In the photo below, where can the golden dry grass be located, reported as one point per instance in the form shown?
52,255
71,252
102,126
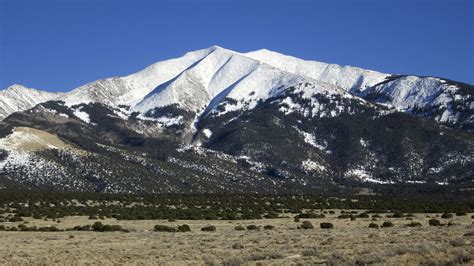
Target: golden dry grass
350,242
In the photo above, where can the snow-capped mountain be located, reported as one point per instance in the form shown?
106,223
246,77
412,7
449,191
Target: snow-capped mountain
200,79
220,120
18,98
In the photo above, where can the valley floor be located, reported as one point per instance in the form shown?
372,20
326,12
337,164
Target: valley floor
349,242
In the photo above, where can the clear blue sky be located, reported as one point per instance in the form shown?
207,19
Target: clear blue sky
58,45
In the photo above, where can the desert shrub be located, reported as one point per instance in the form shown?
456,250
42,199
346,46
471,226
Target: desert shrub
363,215
374,225
208,228
376,215
2,227
296,219
326,225
239,228
387,224
15,218
49,229
269,227
98,227
414,224
164,228
434,222
447,215
353,218
237,246
184,228
345,216
331,212
306,225
461,213
92,217
451,223
82,228
252,227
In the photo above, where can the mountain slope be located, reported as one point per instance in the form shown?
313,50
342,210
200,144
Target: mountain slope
347,77
446,102
200,79
216,120
18,98
131,89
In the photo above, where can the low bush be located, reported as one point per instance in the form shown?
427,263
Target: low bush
434,222
82,228
461,213
15,218
239,228
208,228
374,225
326,225
49,229
269,227
387,224
447,215
306,225
252,227
184,228
164,228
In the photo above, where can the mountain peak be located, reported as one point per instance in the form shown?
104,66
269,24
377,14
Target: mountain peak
16,87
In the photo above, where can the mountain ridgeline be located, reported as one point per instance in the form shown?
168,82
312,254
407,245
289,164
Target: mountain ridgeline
216,120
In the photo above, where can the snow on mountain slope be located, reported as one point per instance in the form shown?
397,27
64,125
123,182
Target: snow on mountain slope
436,97
200,80
346,77
225,74
130,89
18,98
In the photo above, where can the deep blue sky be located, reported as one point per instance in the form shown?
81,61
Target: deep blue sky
59,45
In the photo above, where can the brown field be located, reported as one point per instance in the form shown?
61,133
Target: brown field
348,243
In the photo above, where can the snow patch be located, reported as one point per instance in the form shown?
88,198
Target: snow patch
207,133
82,115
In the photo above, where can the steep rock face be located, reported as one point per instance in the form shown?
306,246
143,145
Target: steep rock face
18,98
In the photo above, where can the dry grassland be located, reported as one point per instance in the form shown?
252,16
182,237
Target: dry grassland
348,243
